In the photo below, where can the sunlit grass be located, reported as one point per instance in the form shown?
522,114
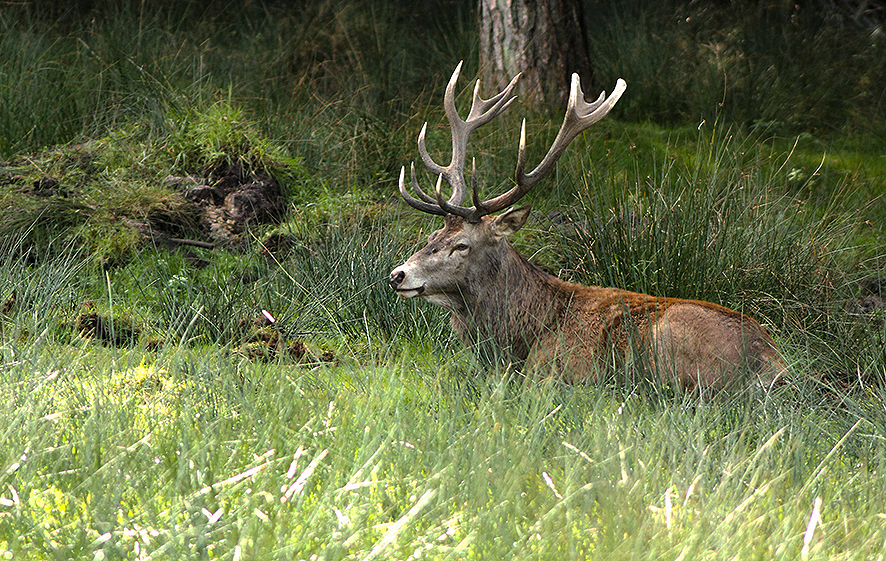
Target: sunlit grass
127,455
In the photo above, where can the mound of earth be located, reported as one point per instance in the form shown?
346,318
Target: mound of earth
229,198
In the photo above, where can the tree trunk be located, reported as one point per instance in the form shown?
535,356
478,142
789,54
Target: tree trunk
546,40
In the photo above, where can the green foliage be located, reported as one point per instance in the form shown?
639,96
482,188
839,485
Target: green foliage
714,222
105,194
801,66
221,135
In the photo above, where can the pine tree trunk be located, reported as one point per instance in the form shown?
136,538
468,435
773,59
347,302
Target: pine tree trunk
546,40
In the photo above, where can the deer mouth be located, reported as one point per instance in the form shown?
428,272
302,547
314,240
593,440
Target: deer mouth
407,293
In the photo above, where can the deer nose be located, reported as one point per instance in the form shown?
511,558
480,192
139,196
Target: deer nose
396,279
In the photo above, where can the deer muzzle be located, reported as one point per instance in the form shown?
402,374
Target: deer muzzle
400,282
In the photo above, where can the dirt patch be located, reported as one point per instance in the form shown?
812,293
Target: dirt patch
265,343
116,333
273,349
873,295
48,187
230,198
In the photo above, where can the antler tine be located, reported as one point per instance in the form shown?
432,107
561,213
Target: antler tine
440,202
484,110
427,204
579,116
478,206
418,190
432,166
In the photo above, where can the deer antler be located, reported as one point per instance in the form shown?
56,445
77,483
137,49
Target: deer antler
482,111
579,116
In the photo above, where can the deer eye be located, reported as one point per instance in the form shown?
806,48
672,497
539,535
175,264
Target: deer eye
461,247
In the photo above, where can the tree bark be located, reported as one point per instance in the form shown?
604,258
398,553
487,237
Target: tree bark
546,40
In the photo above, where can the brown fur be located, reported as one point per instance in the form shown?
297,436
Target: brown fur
568,330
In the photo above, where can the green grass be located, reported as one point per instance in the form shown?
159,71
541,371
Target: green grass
785,65
745,168
194,454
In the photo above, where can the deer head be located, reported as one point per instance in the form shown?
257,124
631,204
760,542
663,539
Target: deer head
472,244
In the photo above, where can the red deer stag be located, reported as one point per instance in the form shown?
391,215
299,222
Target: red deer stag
555,328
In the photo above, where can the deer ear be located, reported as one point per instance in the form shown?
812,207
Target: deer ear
506,224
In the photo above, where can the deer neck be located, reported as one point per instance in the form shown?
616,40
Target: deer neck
511,305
